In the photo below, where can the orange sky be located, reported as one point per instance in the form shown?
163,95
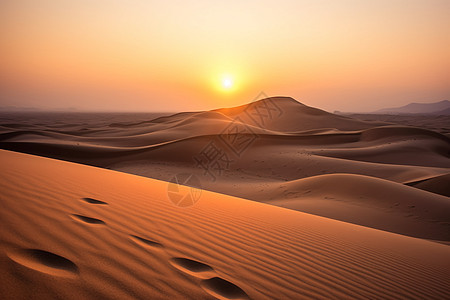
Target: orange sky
172,55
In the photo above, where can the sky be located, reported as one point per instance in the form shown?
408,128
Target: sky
144,55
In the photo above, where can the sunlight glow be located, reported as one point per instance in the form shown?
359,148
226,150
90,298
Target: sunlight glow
227,83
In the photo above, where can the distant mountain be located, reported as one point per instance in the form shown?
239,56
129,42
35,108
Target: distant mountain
441,107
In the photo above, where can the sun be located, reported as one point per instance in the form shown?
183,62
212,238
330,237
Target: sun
227,82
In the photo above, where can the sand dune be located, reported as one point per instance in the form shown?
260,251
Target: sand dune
285,114
368,201
438,123
437,184
268,148
72,231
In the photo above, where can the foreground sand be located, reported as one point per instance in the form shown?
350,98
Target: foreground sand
71,231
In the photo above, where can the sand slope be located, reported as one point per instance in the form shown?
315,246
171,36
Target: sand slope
368,201
437,184
73,231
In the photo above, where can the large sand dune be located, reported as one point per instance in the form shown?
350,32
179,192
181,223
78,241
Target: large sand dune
70,231
368,201
272,151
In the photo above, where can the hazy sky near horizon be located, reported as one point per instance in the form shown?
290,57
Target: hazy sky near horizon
148,55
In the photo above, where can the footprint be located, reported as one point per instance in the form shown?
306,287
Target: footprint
45,262
87,219
223,289
193,267
94,201
215,286
145,242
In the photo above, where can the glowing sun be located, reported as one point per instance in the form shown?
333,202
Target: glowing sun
227,83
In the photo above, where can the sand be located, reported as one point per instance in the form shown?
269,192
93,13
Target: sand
265,148
270,200
438,123
72,231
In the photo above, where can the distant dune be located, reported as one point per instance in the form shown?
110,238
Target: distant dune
438,123
276,151
439,108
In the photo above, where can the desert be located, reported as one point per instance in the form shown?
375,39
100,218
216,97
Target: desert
310,205
246,150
